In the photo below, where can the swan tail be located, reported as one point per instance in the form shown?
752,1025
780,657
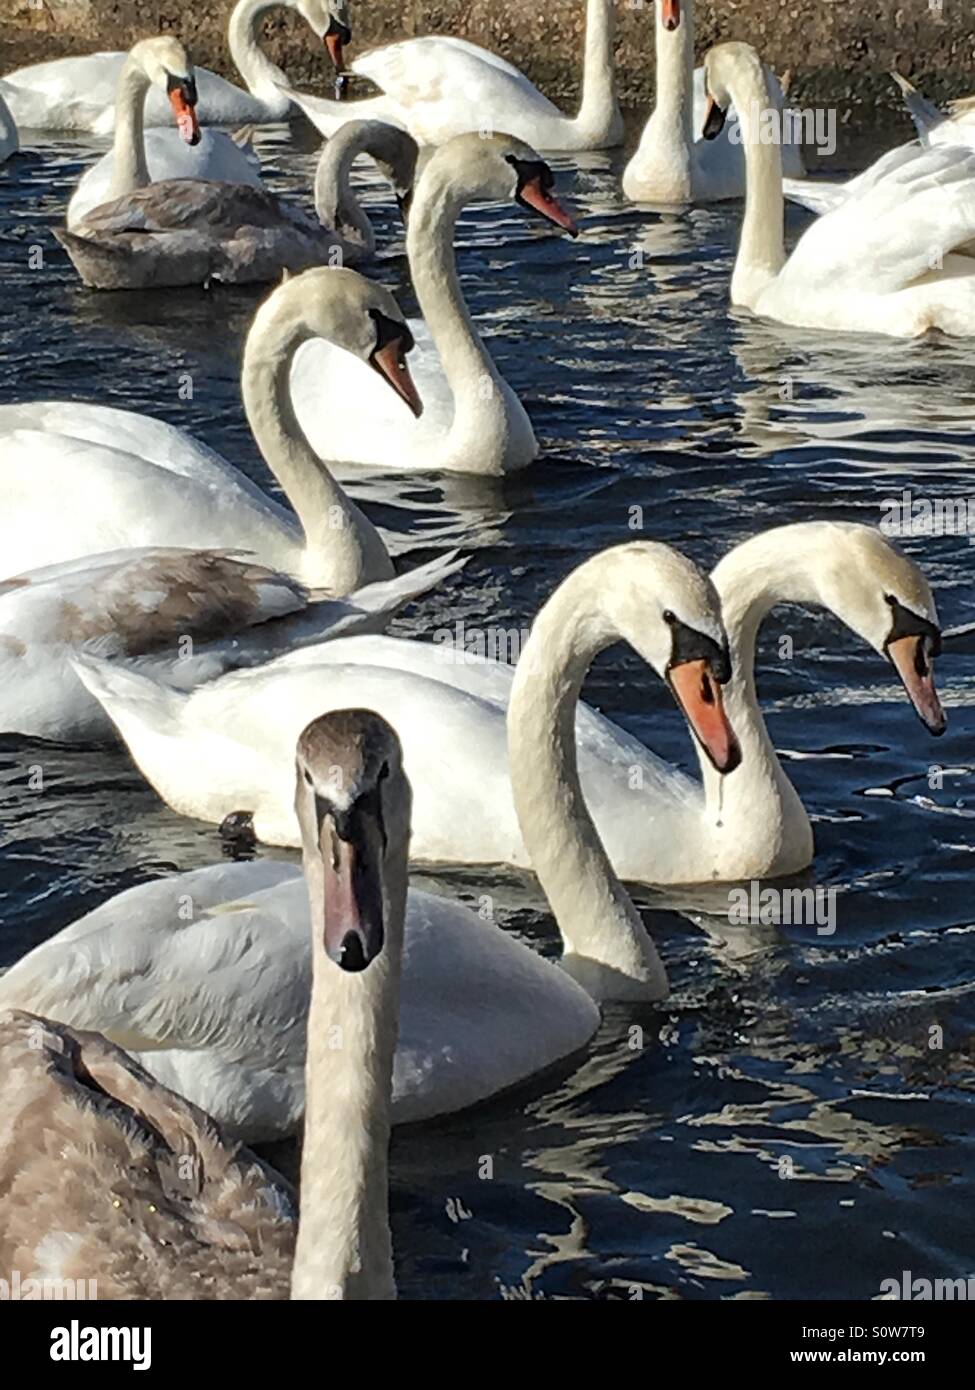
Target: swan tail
130,697
923,113
815,195
381,600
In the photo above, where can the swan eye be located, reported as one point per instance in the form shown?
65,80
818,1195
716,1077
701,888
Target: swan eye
669,617
308,779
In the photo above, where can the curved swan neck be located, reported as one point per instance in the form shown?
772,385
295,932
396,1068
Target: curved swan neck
761,247
751,580
253,64
480,396
345,550
674,104
129,150
607,947
599,110
336,205
344,1245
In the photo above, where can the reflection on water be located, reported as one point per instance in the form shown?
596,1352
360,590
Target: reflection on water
796,1119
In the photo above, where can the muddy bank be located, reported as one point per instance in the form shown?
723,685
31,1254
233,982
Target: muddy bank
833,50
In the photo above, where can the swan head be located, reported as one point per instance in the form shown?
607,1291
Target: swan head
721,64
352,799
883,596
659,601
350,311
330,21
167,64
670,14
498,168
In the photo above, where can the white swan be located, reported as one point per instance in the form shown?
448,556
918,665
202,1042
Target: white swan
473,422
9,139
79,93
159,1203
658,826
191,231
438,87
181,741
672,164
933,126
84,479
882,262
139,157
206,974
184,615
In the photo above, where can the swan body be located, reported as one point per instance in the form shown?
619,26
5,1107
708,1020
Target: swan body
658,825
85,479
673,163
884,261
439,87
108,1164
79,93
472,422
206,975
192,231
479,1011
184,616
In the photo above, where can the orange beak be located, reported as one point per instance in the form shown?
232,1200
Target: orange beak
185,114
670,14
699,696
533,195
917,676
333,42
390,361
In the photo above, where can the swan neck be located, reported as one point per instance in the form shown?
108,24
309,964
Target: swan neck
607,947
761,249
751,580
480,405
130,169
674,104
336,205
344,548
253,64
344,1245
598,107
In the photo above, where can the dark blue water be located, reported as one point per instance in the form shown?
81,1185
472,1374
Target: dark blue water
786,1129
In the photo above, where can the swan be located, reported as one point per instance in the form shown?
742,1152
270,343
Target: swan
9,140
159,1204
882,262
205,975
84,479
473,422
185,615
672,164
933,128
438,87
191,231
181,741
658,825
79,93
139,157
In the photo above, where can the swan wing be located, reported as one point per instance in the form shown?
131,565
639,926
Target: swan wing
217,157
895,228
212,956
467,83
66,93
